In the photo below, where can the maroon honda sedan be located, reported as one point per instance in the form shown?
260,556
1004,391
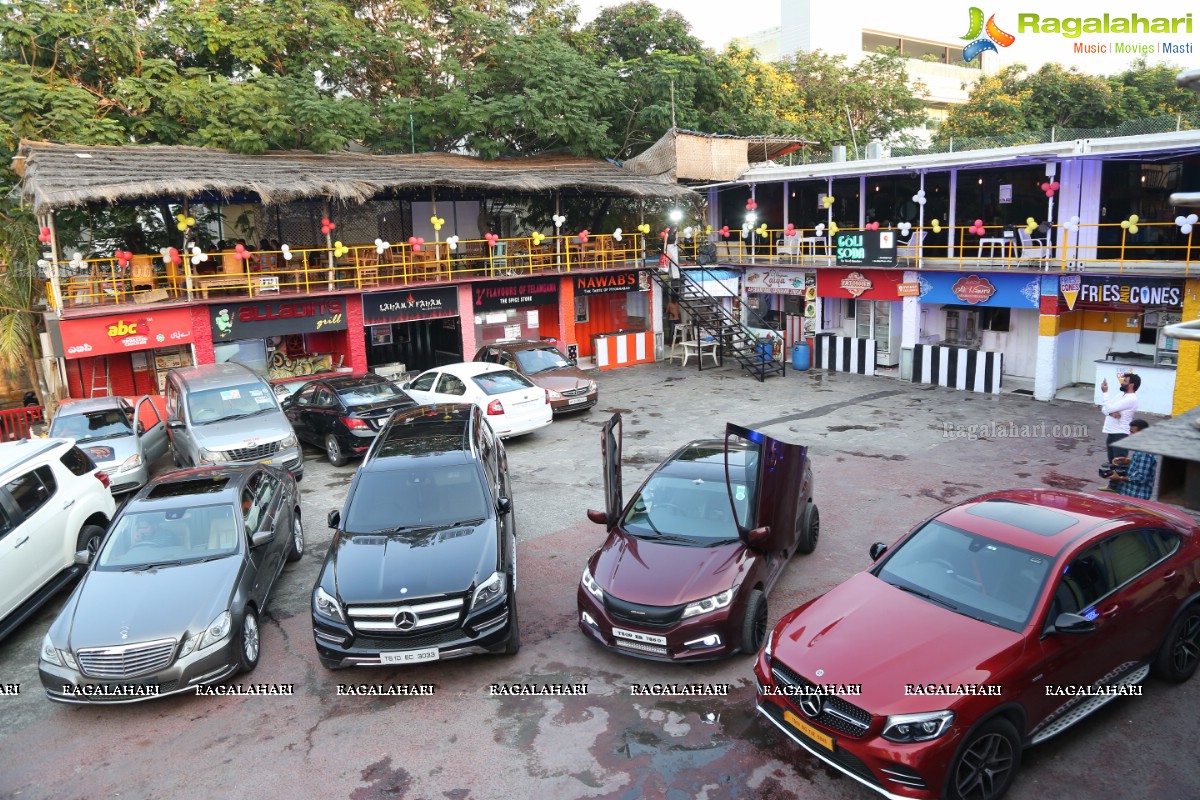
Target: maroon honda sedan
993,626
687,566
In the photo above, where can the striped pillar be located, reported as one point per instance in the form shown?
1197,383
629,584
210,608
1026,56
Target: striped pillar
957,368
1045,376
624,349
844,354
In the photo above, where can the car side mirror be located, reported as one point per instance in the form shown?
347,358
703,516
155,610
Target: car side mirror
758,537
334,519
877,550
174,424
262,537
1073,624
141,428
83,558
504,504
598,517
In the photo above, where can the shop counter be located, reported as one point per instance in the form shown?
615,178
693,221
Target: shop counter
623,348
1156,395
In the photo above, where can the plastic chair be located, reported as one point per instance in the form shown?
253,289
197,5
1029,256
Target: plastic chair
909,249
1034,249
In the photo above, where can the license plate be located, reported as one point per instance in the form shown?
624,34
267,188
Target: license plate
634,636
576,400
265,461
409,656
822,739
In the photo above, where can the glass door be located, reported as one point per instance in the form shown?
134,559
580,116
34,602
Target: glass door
862,317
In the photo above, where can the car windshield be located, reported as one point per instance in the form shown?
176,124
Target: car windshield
367,393
145,539
420,497
230,402
543,359
501,381
970,574
693,510
91,425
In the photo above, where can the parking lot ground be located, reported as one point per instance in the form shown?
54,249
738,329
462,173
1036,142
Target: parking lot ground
885,455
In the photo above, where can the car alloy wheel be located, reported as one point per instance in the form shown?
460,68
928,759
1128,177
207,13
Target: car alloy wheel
1180,653
988,763
89,539
333,451
754,624
248,652
810,529
297,548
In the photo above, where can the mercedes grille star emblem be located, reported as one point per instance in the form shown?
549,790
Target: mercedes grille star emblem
811,704
125,632
406,619
820,672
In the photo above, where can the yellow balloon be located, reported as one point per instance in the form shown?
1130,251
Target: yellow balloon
833,229
936,226
829,200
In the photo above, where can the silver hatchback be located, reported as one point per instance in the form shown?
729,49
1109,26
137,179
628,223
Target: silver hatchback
123,439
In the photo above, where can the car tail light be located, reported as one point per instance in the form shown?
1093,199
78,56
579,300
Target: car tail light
100,476
495,407
547,397
354,423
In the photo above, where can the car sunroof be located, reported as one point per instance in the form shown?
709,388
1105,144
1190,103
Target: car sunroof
183,488
1035,519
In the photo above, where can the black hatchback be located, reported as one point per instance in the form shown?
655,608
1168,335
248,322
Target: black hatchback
423,564
342,413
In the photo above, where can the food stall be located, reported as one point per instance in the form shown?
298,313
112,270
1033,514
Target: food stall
282,338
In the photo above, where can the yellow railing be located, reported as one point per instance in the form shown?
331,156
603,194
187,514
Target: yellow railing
317,270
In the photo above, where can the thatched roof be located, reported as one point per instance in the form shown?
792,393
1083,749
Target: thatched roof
690,156
59,175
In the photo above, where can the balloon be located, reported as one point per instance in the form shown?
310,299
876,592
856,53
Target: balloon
904,228
437,222
44,235
919,198
833,229
537,237
828,201
820,229
871,226
978,228
1050,188
1030,225
746,230
415,242
762,229
287,252
617,235
790,230
492,239
644,228
339,249
1185,223
173,254
751,204
326,226
687,232
583,236
1130,224
1072,224
724,231
381,245
936,226
452,242
665,233
559,219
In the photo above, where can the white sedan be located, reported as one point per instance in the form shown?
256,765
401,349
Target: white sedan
509,401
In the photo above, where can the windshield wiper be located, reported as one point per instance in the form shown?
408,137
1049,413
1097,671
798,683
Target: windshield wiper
927,596
243,416
143,567
404,528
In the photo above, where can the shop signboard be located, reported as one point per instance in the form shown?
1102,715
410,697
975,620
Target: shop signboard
258,320
989,290
381,308
908,289
625,280
768,280
865,248
503,295
1129,292
868,284
84,337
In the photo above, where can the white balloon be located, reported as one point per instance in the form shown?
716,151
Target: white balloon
820,229
381,245
452,242
559,219
904,227
617,235
1185,229
687,232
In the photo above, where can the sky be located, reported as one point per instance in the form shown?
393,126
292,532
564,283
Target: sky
715,23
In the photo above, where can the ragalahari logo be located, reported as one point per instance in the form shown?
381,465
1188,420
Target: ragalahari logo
991,35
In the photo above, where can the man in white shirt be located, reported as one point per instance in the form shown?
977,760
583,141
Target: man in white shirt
1119,411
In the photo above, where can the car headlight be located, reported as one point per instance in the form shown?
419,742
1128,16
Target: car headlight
49,652
708,604
217,630
212,456
554,395
769,647
489,590
590,584
189,644
288,441
131,463
905,728
327,606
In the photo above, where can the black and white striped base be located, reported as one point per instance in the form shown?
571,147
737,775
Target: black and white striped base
957,368
844,354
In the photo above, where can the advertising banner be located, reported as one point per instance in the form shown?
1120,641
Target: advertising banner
985,289
865,249
608,282
769,280
381,308
502,295
120,333
258,320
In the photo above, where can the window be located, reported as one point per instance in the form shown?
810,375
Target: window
1084,581
849,307
1166,542
581,308
324,398
502,381
305,396
424,383
5,523
77,462
31,490
452,384
995,319
1130,554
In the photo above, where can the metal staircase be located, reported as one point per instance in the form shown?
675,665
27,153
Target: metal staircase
710,319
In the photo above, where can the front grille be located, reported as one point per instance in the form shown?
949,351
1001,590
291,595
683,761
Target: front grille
645,648
642,616
836,713
839,755
254,453
439,639
126,661
410,619
575,392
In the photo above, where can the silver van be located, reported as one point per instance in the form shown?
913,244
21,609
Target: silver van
227,414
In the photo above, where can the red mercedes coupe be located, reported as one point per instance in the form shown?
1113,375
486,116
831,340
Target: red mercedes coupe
687,566
990,627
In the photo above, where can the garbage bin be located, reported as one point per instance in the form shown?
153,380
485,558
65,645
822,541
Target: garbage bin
765,349
800,356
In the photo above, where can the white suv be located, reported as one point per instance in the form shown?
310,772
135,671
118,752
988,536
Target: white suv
53,503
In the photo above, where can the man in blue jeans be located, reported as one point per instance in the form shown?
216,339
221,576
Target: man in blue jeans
1138,479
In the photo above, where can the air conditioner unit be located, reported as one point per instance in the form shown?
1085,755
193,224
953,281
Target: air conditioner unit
876,150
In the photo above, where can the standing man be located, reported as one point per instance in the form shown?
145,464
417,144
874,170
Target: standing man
1138,480
1119,411
674,317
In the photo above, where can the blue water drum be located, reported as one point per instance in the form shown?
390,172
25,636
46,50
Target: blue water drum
800,356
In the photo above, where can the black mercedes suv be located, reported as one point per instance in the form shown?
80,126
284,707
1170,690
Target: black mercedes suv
422,566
